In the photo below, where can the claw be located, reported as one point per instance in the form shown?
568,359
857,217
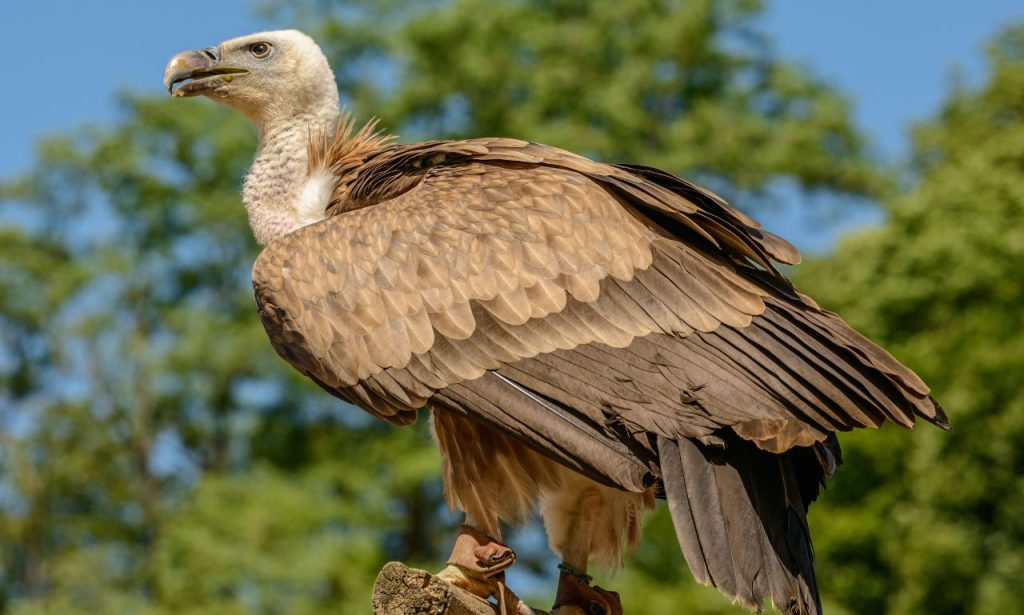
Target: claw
459,577
480,553
494,554
478,564
508,602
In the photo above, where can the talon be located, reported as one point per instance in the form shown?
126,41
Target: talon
477,564
479,553
508,602
461,578
493,554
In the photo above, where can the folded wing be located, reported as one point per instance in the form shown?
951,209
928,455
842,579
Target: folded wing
617,319
498,255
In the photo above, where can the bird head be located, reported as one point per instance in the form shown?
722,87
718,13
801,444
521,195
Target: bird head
267,76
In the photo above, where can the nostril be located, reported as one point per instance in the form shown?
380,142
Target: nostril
211,52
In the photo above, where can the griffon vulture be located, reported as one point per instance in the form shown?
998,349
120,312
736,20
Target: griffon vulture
587,336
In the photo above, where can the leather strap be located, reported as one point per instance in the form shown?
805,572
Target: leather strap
591,599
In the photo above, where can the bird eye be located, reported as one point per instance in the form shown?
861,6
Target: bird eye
260,50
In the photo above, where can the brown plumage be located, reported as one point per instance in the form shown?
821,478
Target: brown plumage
616,319
588,336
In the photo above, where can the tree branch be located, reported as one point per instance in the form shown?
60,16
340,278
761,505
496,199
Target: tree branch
400,590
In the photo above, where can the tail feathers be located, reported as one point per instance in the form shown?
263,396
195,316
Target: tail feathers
740,516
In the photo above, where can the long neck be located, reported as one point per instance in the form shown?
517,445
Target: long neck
273,187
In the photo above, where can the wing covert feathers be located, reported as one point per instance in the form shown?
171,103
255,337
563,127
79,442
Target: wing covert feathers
371,289
446,260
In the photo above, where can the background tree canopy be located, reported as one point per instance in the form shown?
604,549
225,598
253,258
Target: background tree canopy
156,457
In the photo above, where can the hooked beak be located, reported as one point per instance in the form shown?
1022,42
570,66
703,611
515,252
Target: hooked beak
202,67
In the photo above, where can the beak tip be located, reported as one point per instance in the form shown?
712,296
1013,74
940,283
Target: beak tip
181,66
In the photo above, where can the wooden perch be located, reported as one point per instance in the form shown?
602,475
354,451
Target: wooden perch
400,590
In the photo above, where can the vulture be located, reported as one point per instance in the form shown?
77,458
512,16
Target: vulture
587,337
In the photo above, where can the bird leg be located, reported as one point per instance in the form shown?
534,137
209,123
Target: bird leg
576,596
477,564
478,557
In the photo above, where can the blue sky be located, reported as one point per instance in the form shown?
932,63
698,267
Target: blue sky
63,61
895,58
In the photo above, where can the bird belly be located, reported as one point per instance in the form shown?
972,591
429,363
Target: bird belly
492,476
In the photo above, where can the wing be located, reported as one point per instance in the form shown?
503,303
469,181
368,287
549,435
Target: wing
394,301
619,320
634,301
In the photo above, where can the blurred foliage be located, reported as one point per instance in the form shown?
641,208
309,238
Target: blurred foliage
139,394
156,457
684,85
934,523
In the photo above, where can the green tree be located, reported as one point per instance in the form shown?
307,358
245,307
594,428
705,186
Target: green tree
36,277
932,523
690,86
140,389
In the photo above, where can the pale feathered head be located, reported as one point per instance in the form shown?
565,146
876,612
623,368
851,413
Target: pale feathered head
267,76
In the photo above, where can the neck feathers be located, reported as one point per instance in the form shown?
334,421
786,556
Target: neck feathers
298,170
346,149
